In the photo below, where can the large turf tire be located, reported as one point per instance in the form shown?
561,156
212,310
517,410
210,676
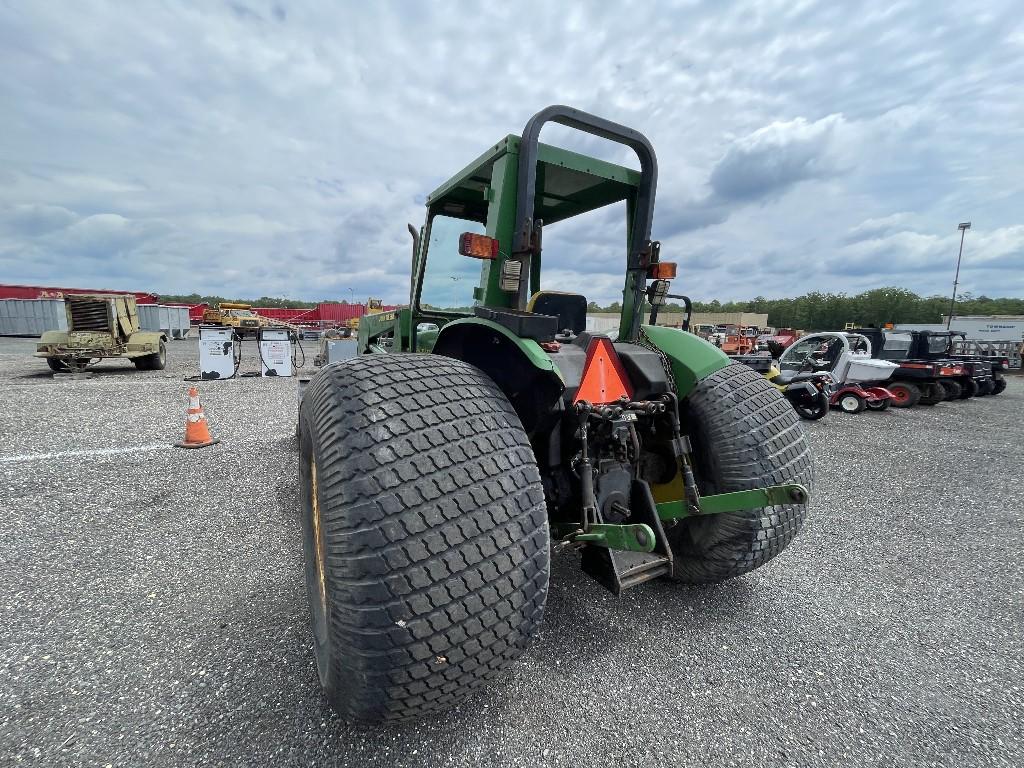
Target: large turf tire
952,388
998,383
745,435
422,501
968,388
905,394
57,365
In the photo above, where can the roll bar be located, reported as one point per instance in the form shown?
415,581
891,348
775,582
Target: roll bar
526,240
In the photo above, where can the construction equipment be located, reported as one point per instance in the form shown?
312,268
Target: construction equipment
102,326
242,318
433,484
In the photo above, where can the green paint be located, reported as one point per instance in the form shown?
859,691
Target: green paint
372,328
737,501
530,348
691,357
631,538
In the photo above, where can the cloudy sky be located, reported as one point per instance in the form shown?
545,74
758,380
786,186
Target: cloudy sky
250,148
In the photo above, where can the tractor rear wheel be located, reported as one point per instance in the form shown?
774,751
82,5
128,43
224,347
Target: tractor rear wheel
968,388
745,435
952,388
904,394
998,383
425,532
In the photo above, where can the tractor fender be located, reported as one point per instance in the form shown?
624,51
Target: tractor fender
690,357
520,368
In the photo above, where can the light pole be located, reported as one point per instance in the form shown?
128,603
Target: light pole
455,292
964,226
351,296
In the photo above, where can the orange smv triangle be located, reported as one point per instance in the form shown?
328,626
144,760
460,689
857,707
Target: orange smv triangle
604,379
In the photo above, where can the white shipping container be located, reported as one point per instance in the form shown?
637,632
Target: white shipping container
31,317
978,328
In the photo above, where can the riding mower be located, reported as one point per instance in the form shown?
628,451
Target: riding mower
847,358
436,485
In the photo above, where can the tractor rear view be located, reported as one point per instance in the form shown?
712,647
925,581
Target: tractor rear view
443,465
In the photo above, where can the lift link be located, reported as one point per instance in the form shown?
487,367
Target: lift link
737,501
632,538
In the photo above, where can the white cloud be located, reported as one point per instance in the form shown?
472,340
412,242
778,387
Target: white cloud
250,148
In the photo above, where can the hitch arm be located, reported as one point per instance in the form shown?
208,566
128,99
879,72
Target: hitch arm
737,501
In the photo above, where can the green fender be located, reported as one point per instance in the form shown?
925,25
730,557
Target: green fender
691,358
531,350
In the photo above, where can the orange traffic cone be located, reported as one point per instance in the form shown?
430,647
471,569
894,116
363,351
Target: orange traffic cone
197,433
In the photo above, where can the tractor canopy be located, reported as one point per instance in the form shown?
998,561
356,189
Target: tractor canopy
506,197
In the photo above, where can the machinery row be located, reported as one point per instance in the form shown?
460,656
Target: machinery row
874,368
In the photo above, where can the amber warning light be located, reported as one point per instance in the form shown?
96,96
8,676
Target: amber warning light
663,270
478,246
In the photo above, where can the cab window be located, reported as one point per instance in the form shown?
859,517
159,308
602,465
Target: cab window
449,277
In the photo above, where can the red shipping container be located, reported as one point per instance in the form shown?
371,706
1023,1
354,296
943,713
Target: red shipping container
50,292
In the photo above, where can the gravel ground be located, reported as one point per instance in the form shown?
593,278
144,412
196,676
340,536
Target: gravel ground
154,608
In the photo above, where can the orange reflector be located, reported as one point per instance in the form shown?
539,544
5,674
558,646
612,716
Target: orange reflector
663,270
478,246
604,379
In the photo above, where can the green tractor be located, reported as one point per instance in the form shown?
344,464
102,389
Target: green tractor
436,484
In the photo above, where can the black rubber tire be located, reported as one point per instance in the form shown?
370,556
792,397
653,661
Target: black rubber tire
57,365
745,435
912,394
879,405
847,405
952,388
932,393
433,529
985,388
155,362
968,388
812,413
998,383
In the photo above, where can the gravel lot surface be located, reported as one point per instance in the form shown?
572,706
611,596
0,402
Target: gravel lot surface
154,610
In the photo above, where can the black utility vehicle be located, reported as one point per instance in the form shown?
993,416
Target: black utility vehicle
920,378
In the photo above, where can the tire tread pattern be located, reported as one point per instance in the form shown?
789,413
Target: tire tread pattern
435,531
745,435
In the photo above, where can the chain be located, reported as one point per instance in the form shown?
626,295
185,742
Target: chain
646,343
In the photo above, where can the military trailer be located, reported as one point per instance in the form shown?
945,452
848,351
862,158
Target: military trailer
478,433
102,326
